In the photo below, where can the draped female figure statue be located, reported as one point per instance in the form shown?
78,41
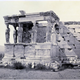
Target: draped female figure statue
20,33
7,35
15,36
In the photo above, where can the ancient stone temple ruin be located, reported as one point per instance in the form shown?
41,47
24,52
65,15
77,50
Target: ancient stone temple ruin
40,37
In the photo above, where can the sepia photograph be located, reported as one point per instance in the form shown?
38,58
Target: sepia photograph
39,39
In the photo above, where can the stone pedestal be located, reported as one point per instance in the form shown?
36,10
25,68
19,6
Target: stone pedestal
9,50
40,52
19,50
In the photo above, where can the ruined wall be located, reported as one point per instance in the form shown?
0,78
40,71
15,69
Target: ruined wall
69,37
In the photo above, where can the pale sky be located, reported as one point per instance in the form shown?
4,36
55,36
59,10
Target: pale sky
66,10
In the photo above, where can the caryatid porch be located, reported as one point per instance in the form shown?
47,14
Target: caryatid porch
35,38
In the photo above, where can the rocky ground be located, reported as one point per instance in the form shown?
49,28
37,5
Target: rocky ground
6,73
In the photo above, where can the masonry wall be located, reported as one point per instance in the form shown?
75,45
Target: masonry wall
40,52
69,37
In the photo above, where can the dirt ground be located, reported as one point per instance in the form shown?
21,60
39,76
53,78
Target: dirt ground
6,73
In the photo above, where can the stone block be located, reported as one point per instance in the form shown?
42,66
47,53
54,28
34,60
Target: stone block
42,52
66,38
43,49
77,29
77,42
72,40
64,35
46,60
77,46
29,51
19,50
69,42
66,30
8,50
70,52
71,30
43,46
61,30
54,50
59,37
75,34
72,45
77,52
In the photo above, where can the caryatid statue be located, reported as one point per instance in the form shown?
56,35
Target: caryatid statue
15,36
20,32
34,32
7,34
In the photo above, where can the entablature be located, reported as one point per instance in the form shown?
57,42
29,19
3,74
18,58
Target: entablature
46,16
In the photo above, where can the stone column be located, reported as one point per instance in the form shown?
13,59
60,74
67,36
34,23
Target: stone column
20,33
7,33
34,33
